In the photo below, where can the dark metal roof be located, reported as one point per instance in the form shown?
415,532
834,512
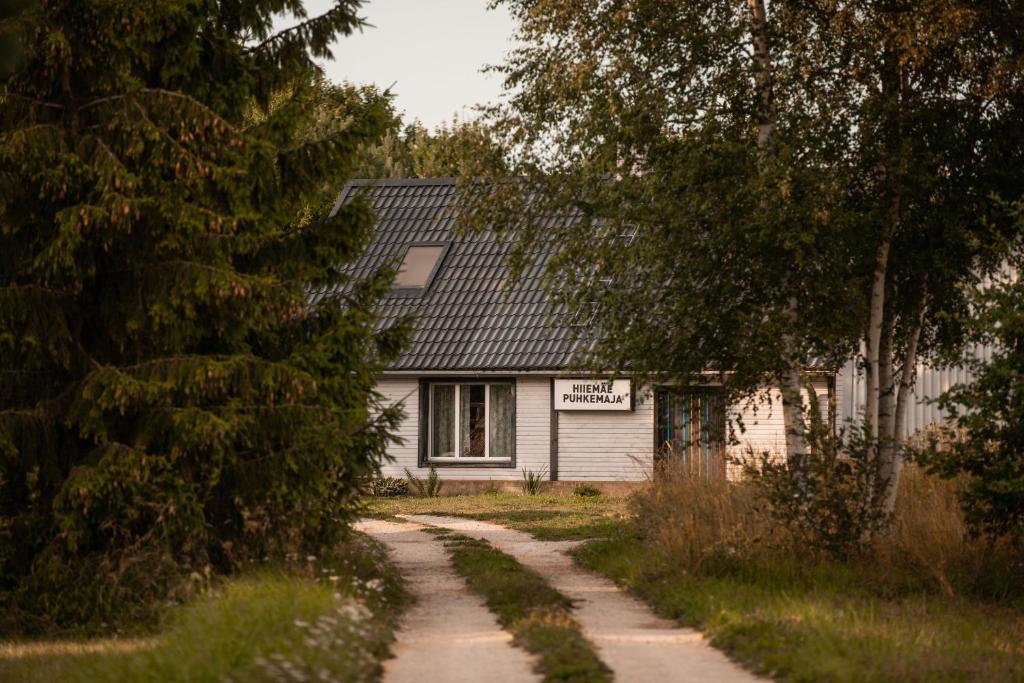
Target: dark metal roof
472,316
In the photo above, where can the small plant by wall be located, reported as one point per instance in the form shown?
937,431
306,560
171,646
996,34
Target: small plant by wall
389,487
531,481
427,488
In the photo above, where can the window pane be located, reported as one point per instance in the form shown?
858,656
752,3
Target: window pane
417,265
472,420
503,423
442,416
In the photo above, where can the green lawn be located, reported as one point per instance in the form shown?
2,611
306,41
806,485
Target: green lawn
805,620
331,618
550,518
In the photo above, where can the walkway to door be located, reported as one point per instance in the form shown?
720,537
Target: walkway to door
448,635
636,644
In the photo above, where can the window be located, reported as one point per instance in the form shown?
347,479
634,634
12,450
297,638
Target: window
470,422
418,266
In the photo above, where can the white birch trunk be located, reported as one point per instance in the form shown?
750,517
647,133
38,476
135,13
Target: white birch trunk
886,384
873,340
892,466
789,379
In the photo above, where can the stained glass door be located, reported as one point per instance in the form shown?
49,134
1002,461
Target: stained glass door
691,431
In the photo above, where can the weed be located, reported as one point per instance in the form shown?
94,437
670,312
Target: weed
550,518
586,491
531,481
428,488
537,615
388,487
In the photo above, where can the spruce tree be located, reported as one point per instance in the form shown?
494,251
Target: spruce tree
187,376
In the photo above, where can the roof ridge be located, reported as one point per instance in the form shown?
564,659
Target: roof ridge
403,182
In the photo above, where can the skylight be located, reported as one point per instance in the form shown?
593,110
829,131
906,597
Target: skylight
418,266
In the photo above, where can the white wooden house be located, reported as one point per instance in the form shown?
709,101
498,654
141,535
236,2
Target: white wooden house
485,383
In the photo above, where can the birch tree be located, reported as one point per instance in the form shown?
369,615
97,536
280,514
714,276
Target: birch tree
938,134
703,171
756,188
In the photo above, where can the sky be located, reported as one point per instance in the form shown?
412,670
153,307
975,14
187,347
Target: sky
432,50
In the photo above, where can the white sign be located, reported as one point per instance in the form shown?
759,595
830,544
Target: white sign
593,394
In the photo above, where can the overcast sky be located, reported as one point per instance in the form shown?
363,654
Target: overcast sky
432,50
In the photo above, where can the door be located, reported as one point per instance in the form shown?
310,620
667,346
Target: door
691,431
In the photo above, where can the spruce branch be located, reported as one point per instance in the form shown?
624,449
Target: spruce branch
316,32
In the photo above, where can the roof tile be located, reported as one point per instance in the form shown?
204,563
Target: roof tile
472,317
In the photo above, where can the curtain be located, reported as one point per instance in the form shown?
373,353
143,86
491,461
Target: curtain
442,416
503,421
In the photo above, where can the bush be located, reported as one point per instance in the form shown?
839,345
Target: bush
585,491
531,481
388,487
987,445
834,500
429,488
308,618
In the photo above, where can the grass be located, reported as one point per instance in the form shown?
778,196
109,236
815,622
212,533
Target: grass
923,603
927,603
548,518
329,619
536,614
822,621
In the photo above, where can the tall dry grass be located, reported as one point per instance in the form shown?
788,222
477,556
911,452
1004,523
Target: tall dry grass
693,522
928,533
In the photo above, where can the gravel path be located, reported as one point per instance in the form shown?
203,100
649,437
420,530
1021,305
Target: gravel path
637,645
448,635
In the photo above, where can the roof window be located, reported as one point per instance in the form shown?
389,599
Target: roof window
419,266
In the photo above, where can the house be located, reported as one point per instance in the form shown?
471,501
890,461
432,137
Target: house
486,383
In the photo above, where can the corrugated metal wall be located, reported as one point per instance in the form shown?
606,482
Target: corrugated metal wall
931,384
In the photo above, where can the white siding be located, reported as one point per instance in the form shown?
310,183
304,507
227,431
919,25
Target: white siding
404,391
764,429
533,438
533,425
592,445
603,445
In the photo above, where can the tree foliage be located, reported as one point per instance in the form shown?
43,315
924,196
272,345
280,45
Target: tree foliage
171,390
408,149
752,188
988,411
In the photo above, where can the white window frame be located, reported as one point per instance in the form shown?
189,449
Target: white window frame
458,427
